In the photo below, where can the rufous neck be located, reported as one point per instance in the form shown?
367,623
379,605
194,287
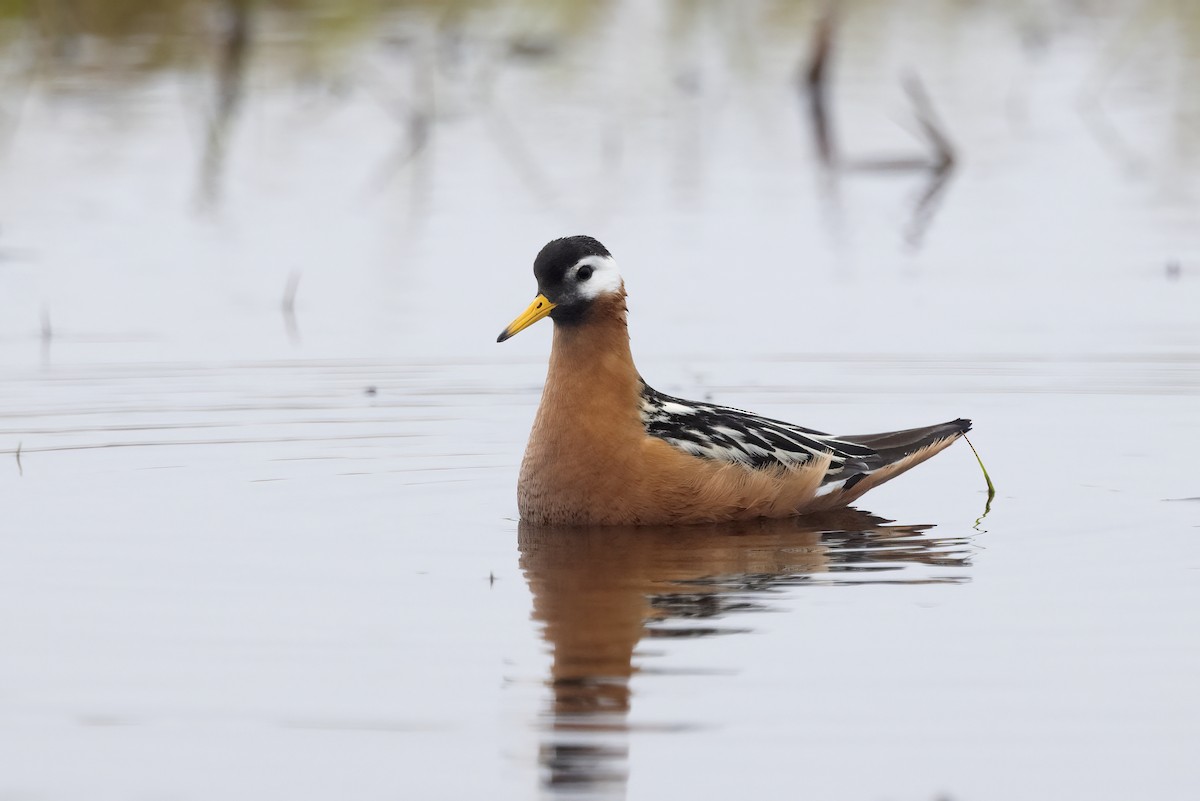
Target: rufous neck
592,360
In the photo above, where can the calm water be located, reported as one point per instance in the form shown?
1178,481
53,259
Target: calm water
258,447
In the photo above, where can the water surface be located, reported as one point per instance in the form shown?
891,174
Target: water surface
258,447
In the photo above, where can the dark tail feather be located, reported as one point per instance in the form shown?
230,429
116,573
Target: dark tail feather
895,445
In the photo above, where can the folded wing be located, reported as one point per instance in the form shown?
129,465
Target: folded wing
726,434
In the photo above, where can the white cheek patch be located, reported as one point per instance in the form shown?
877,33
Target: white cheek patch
605,278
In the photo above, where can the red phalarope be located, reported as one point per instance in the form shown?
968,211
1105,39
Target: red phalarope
606,448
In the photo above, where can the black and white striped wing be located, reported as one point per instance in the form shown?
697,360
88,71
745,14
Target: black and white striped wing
732,435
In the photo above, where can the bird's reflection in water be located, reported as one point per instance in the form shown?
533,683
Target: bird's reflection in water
599,591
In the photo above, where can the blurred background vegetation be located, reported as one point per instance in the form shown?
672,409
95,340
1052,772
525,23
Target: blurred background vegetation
489,115
127,38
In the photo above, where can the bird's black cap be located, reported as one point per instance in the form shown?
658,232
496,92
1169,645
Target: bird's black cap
557,257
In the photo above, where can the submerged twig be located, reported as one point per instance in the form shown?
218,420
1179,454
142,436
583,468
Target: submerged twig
990,486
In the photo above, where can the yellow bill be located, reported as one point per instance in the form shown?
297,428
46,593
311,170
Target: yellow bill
540,307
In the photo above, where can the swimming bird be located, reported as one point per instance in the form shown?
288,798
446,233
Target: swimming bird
608,449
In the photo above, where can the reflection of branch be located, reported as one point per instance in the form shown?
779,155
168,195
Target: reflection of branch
942,166
938,164
289,307
10,121
47,333
231,67
418,126
927,205
415,114
1112,59
1107,135
888,164
504,134
816,86
939,143
513,147
941,156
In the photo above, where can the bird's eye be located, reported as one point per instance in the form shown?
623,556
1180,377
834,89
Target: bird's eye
584,273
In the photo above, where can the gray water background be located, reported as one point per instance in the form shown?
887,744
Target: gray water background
258,447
